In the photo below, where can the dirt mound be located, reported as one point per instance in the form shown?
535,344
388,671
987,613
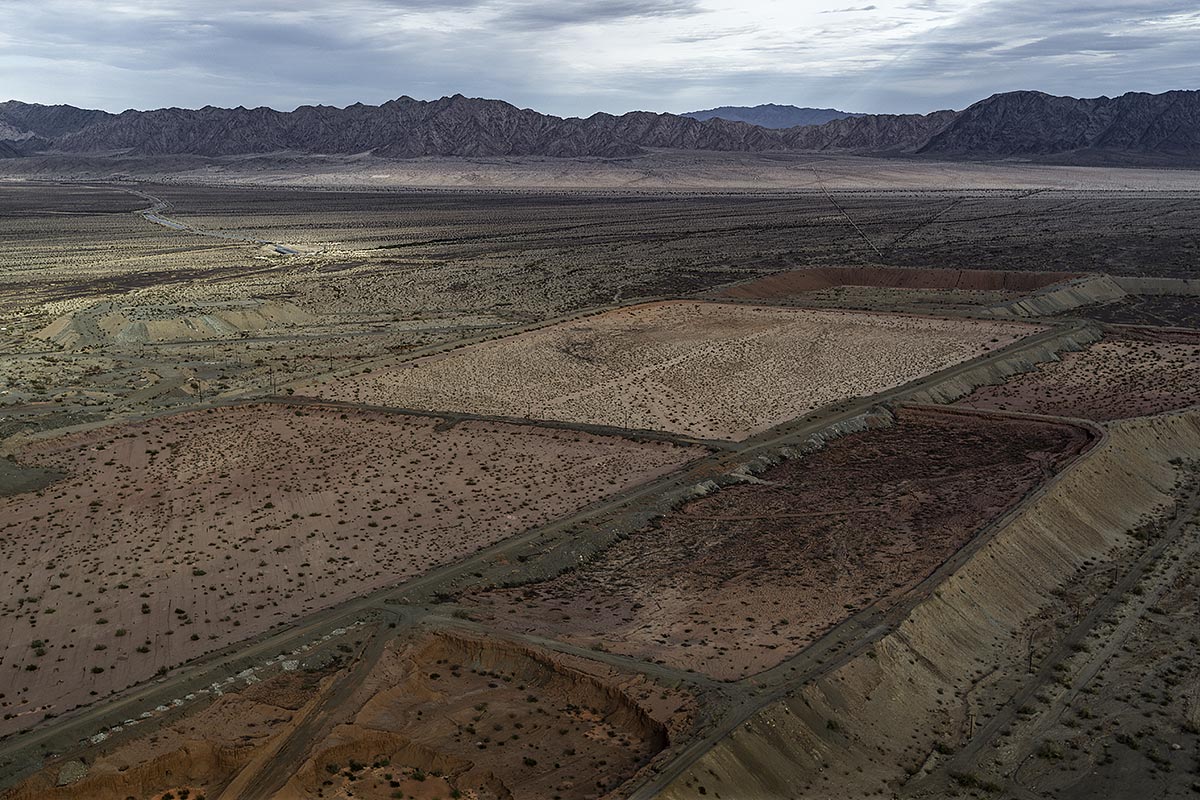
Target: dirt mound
108,322
785,284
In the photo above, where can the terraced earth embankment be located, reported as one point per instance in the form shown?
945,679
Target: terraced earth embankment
871,724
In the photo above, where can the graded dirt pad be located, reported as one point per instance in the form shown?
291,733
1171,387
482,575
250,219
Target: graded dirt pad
190,758
709,370
491,720
1123,375
736,582
176,536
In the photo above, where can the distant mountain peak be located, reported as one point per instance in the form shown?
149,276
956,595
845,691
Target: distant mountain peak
772,115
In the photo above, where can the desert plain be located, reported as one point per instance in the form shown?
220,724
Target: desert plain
323,485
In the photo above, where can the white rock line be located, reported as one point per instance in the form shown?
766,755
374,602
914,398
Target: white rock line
216,689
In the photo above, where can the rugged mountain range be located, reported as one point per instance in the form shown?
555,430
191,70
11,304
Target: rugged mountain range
770,115
1139,128
1036,124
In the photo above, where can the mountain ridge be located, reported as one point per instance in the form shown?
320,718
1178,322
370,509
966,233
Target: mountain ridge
1028,125
772,115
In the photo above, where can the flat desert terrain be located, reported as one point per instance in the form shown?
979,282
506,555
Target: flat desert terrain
736,582
312,597
800,282
176,536
1179,311
655,170
910,289
710,370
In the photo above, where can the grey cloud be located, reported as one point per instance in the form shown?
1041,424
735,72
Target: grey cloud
578,12
1088,42
285,53
849,10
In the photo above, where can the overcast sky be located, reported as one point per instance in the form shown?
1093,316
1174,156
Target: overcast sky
574,57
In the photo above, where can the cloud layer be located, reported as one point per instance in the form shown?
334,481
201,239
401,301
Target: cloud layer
573,57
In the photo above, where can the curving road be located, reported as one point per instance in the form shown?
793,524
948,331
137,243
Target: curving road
154,214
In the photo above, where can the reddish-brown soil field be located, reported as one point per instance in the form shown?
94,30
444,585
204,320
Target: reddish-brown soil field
785,284
736,582
492,720
179,535
1125,375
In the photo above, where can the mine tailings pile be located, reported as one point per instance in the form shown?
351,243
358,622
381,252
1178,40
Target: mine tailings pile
1088,290
861,727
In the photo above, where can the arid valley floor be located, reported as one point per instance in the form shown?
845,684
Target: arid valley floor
324,487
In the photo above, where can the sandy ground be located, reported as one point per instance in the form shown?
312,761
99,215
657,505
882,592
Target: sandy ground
705,369
734,583
179,535
1116,378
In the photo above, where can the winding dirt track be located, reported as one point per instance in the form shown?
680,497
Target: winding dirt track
155,214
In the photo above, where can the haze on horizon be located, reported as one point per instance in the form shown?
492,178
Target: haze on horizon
575,57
